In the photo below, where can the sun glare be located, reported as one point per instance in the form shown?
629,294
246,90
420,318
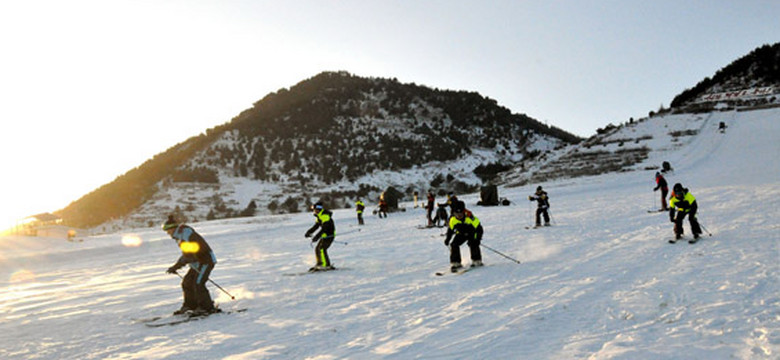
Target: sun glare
132,241
21,276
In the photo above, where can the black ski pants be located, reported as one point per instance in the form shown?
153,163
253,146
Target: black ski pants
457,241
321,250
196,295
678,222
542,211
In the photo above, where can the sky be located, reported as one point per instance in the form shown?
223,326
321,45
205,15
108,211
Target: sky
90,89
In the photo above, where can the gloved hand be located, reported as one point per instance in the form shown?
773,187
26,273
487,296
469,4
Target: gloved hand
656,189
307,235
446,242
530,198
171,270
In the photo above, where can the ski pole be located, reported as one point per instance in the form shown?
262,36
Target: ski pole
499,253
703,227
212,281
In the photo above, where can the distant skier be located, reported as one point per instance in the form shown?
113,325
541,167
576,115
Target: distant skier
441,215
543,203
685,204
429,207
359,208
661,184
451,199
198,255
382,208
324,237
722,127
464,227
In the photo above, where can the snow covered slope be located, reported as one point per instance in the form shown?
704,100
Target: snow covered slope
601,283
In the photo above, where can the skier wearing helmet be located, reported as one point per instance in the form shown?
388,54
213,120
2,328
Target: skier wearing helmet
196,253
684,204
543,203
464,227
324,237
661,184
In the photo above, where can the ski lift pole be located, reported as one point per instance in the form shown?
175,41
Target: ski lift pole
499,253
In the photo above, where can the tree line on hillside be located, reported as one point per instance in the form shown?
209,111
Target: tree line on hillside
761,64
331,127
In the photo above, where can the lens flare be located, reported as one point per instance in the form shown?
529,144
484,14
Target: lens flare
132,241
22,276
189,247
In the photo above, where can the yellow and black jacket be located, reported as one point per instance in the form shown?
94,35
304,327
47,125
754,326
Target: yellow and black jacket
470,228
325,221
686,205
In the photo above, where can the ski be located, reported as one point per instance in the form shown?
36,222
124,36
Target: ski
690,240
536,227
171,320
460,271
312,272
655,211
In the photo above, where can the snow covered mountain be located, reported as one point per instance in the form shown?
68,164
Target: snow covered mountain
601,283
335,137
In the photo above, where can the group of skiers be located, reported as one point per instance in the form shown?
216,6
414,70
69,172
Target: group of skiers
463,227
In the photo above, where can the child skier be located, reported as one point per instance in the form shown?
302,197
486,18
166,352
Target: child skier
685,204
543,203
198,255
464,227
324,237
661,184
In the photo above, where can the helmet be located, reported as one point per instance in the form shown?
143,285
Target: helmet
458,206
317,206
171,223
678,189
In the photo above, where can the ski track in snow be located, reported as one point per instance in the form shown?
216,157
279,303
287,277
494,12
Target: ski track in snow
601,283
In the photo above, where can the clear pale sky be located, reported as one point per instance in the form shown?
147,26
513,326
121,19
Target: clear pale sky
92,89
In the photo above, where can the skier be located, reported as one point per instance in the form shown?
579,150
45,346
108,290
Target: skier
324,237
451,199
685,204
543,203
198,255
382,208
429,207
661,184
464,227
441,215
359,207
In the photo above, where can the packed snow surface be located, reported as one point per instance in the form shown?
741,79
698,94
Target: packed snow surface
601,283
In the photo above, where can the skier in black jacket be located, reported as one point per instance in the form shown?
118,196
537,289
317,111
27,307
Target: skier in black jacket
324,237
196,253
543,203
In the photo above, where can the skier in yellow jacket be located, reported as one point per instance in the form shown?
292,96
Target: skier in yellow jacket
464,227
324,237
683,203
